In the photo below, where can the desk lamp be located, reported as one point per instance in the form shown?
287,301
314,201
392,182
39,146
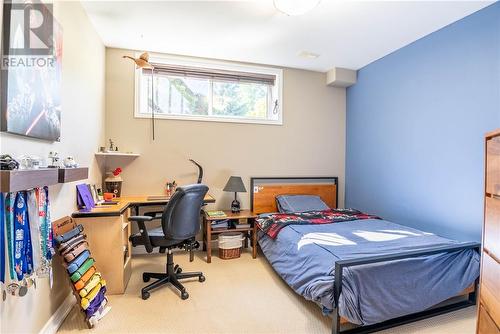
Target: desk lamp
235,184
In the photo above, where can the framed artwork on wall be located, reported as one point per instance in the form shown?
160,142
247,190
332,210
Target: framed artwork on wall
31,71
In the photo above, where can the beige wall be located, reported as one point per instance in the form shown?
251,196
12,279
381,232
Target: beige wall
311,141
82,132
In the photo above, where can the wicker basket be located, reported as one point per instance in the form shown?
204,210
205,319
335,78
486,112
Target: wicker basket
230,245
231,253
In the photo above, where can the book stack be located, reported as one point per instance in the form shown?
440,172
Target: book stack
216,214
220,224
241,224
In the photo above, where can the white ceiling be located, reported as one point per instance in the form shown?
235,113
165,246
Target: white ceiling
348,34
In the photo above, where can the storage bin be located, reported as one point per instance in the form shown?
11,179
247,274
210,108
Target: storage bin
230,245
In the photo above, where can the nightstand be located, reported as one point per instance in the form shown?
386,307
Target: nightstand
248,232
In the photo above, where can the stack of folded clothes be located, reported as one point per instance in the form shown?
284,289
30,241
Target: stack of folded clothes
88,283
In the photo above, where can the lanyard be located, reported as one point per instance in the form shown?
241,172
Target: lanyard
45,223
9,224
34,230
25,221
23,256
2,239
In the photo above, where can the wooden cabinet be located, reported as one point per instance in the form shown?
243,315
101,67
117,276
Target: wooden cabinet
111,249
486,325
493,165
489,292
491,238
490,287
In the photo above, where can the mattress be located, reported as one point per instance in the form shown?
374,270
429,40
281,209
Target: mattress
304,256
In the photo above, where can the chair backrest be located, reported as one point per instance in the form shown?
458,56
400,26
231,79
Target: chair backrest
181,216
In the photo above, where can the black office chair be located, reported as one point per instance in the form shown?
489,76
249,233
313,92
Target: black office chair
157,214
180,223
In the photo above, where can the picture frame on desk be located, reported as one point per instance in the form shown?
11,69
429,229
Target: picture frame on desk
84,198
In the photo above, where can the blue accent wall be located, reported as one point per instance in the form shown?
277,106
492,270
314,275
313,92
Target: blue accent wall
416,121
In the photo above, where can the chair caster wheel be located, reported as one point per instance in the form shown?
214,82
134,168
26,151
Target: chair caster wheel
177,269
184,295
145,278
145,295
201,278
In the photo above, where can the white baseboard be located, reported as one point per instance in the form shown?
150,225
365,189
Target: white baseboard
56,320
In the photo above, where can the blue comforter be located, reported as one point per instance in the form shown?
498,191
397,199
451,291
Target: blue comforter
304,256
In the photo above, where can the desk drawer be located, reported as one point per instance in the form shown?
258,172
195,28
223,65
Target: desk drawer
493,165
486,325
490,287
492,226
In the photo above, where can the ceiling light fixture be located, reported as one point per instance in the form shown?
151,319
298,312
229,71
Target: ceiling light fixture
308,55
295,7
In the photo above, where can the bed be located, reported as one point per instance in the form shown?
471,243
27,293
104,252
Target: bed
368,274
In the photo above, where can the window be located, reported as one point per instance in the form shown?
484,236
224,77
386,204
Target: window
211,91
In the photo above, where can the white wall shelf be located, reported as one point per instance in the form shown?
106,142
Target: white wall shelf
117,154
108,161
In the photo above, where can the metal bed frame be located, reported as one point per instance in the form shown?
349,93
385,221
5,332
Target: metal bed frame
337,288
341,264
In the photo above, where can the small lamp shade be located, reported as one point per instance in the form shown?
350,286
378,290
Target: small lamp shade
235,184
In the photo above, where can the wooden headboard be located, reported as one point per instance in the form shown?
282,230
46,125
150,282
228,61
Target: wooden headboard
263,190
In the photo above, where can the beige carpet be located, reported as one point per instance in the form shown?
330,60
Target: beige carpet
239,296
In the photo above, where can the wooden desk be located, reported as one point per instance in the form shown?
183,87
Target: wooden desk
108,231
243,214
124,203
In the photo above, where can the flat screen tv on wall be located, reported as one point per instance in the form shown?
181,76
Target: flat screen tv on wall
31,71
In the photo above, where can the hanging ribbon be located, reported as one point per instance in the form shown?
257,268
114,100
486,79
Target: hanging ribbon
29,244
9,226
23,256
45,222
45,230
48,221
41,221
33,217
26,223
2,239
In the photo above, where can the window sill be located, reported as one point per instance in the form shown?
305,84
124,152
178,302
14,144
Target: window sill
213,119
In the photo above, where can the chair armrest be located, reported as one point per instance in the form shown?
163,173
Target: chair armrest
154,214
143,237
140,218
